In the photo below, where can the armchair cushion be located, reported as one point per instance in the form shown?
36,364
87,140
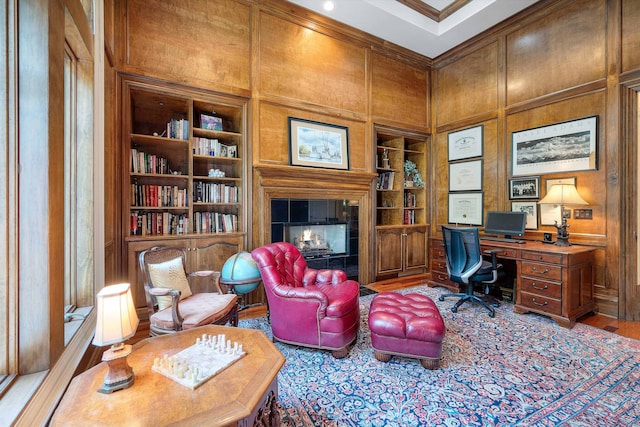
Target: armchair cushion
198,309
170,275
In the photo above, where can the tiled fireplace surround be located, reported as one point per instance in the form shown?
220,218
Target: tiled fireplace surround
347,194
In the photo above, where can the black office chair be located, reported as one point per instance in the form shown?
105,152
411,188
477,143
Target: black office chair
466,266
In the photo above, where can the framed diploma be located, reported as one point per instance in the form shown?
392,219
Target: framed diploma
465,208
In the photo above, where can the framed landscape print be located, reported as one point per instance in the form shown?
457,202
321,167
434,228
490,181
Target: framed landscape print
562,147
318,144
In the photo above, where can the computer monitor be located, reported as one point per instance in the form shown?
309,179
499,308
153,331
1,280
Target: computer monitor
506,223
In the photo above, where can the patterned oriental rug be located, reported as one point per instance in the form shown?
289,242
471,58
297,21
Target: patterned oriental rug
512,370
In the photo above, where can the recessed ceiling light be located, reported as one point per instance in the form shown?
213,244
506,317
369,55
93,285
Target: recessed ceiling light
328,6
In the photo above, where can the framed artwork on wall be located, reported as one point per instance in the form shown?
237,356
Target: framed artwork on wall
524,188
316,144
465,143
551,182
465,208
561,147
531,208
465,176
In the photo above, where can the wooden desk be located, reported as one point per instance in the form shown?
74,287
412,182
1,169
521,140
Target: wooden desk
556,281
244,394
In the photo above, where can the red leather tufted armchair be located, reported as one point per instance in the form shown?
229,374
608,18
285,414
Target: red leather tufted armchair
308,307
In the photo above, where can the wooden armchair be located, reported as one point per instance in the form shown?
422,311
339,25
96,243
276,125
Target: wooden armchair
171,303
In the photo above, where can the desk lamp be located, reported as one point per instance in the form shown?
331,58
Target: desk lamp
117,321
563,194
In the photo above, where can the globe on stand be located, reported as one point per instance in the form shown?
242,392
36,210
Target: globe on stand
241,274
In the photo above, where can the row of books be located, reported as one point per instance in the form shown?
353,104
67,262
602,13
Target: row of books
213,147
385,181
178,129
158,223
409,216
158,195
208,192
214,222
142,162
409,200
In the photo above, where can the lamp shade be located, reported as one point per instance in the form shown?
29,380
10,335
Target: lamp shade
117,317
563,194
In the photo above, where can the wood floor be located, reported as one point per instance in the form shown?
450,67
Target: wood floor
620,327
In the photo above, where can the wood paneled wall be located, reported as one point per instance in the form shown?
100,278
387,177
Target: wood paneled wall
559,61
290,63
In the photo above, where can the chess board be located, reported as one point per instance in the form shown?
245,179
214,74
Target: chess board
194,365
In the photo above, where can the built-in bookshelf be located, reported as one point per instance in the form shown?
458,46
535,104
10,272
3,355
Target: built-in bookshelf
400,198
184,183
401,213
185,166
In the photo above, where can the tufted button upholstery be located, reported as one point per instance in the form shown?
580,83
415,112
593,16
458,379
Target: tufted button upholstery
406,325
309,307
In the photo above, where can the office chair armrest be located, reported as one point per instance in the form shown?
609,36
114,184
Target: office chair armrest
494,257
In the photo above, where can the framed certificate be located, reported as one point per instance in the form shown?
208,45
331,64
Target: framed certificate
465,208
465,176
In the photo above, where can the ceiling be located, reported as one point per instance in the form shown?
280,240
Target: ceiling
428,27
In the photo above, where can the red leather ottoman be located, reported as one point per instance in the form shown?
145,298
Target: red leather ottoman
407,325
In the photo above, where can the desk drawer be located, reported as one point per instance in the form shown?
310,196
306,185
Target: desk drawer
542,257
537,302
438,265
541,287
438,253
546,271
440,276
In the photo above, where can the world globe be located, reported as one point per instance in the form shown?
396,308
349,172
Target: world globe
238,269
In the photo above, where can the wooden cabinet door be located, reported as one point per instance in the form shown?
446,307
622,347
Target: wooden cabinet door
415,247
210,253
389,251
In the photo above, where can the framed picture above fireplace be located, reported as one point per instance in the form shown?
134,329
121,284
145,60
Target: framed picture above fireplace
319,145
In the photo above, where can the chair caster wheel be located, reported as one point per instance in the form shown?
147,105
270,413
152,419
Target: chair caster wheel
441,298
454,309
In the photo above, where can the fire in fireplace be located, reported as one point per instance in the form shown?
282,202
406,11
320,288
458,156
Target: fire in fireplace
324,230
319,239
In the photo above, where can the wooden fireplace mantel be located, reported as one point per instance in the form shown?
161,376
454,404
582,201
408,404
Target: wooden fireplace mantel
323,179
276,181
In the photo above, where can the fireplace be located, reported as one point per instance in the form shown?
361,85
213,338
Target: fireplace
302,196
325,231
318,239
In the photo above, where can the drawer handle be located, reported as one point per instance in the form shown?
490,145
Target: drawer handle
441,254
546,270
533,284
533,300
442,277
540,257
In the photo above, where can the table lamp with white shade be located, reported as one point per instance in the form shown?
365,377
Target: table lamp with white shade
117,321
563,195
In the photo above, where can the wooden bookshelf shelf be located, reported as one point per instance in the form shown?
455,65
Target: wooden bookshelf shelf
172,171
